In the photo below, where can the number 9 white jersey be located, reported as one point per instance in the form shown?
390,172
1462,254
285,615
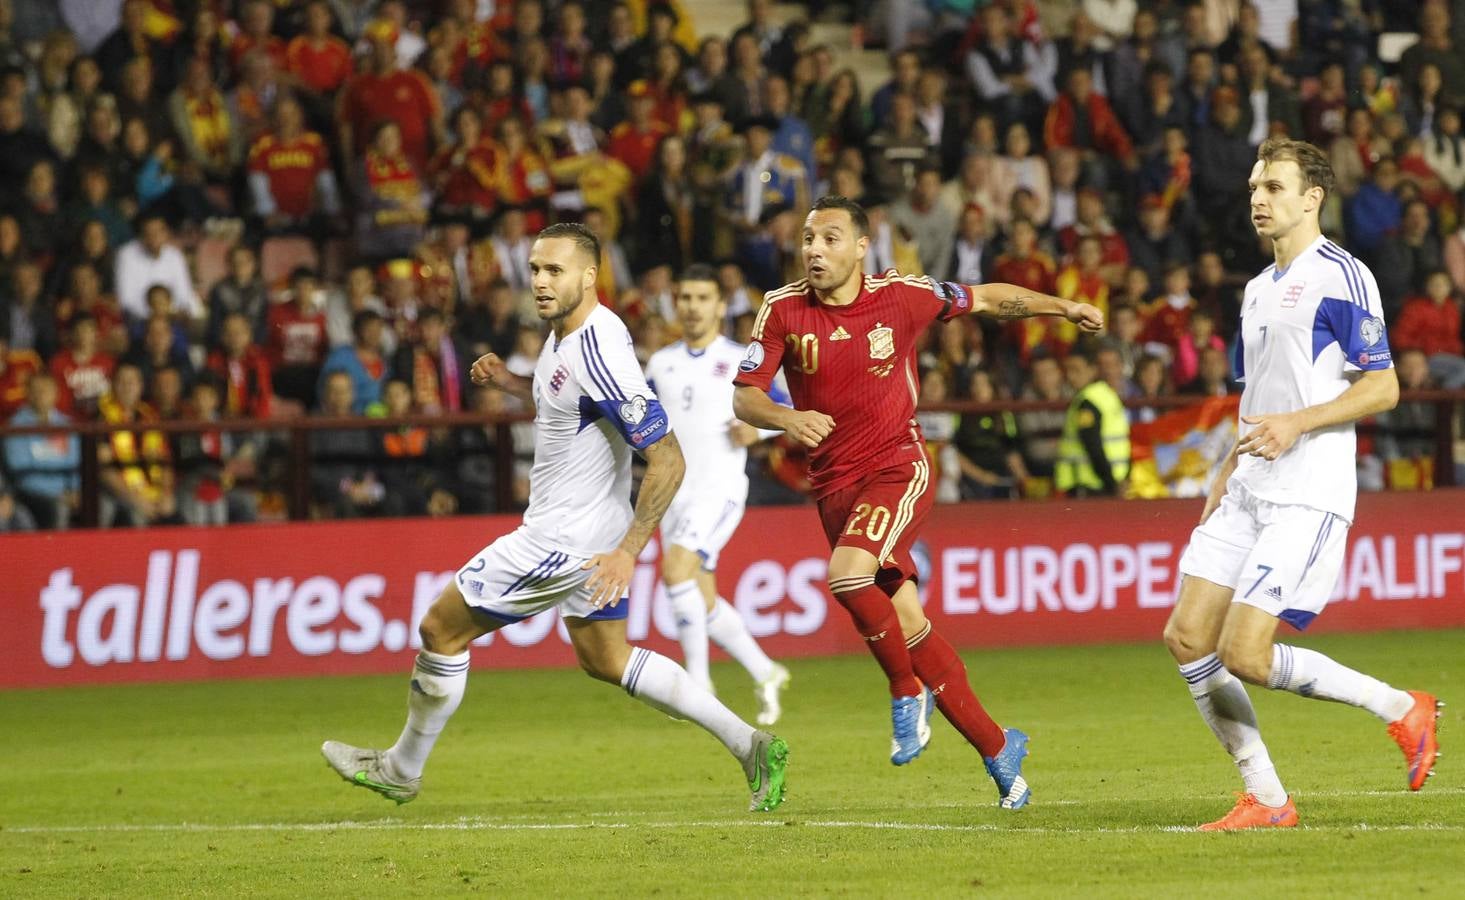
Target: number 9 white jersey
1303,332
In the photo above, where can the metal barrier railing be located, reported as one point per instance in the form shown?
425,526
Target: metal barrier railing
297,487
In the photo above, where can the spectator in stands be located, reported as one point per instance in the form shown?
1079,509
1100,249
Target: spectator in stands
988,447
897,149
1019,169
241,291
1093,221
1430,323
241,370
137,470
489,323
319,62
130,40
792,136
342,306
1354,154
1213,375
362,362
1109,363
1435,47
1040,428
1167,317
434,366
525,181
385,92
20,148
977,185
1156,242
165,393
1324,115
1223,160
1012,75
464,174
344,479
83,371
570,47
1124,330
972,258
1156,109
1200,333
210,139
94,203
45,470
40,215
1407,257
151,259
1375,210
84,296
764,179
929,220
1271,103
392,202
1151,380
1082,119
17,366
1218,293
297,339
291,184
32,325
1083,281
1066,168
1405,437
1444,149
161,345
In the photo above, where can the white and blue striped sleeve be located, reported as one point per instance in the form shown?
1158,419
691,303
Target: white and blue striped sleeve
612,378
1351,314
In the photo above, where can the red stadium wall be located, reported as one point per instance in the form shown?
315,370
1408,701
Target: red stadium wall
327,598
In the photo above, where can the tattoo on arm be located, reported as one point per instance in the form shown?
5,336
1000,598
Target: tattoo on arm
664,470
1016,308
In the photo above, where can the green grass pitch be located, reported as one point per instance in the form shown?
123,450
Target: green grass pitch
549,784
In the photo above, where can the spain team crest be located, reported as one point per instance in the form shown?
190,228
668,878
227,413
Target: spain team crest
882,341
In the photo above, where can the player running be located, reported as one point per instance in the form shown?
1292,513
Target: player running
846,343
577,547
694,375
1315,358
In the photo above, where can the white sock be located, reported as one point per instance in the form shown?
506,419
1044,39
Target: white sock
728,629
662,684
1223,703
691,609
1308,673
437,689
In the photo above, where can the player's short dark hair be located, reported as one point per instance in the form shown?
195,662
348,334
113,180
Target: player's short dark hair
583,237
856,212
1312,162
701,272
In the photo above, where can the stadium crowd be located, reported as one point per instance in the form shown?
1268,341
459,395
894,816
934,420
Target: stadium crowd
272,209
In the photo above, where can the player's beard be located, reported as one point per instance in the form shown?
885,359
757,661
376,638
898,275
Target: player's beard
563,309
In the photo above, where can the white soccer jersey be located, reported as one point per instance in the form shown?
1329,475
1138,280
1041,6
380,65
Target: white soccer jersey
1303,331
592,405
696,388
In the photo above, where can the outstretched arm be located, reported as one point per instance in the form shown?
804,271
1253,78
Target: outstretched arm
1374,392
611,574
1008,301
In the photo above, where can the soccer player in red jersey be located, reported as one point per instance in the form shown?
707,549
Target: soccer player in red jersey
846,343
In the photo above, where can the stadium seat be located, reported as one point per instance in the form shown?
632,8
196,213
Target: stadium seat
211,262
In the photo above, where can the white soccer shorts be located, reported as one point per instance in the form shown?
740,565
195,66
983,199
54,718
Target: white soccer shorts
518,576
702,523
1284,559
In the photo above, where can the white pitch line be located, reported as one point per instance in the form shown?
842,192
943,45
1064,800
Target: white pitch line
484,825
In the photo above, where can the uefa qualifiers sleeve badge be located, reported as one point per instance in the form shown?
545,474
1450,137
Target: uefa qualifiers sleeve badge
752,359
633,410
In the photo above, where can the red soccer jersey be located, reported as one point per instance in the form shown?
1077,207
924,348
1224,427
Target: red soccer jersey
292,168
405,97
81,384
323,68
296,338
854,363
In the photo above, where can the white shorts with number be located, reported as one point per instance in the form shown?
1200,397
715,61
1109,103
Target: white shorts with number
703,523
518,576
1282,559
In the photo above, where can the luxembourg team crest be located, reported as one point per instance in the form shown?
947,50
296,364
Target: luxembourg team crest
1294,293
882,341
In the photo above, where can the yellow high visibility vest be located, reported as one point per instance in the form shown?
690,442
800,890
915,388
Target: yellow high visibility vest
1073,468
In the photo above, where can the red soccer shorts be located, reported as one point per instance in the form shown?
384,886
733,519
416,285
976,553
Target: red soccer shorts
882,514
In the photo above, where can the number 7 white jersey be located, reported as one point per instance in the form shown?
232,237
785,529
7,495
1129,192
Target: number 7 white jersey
1303,332
696,389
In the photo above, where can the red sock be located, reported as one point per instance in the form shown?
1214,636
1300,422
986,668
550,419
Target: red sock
877,623
944,673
